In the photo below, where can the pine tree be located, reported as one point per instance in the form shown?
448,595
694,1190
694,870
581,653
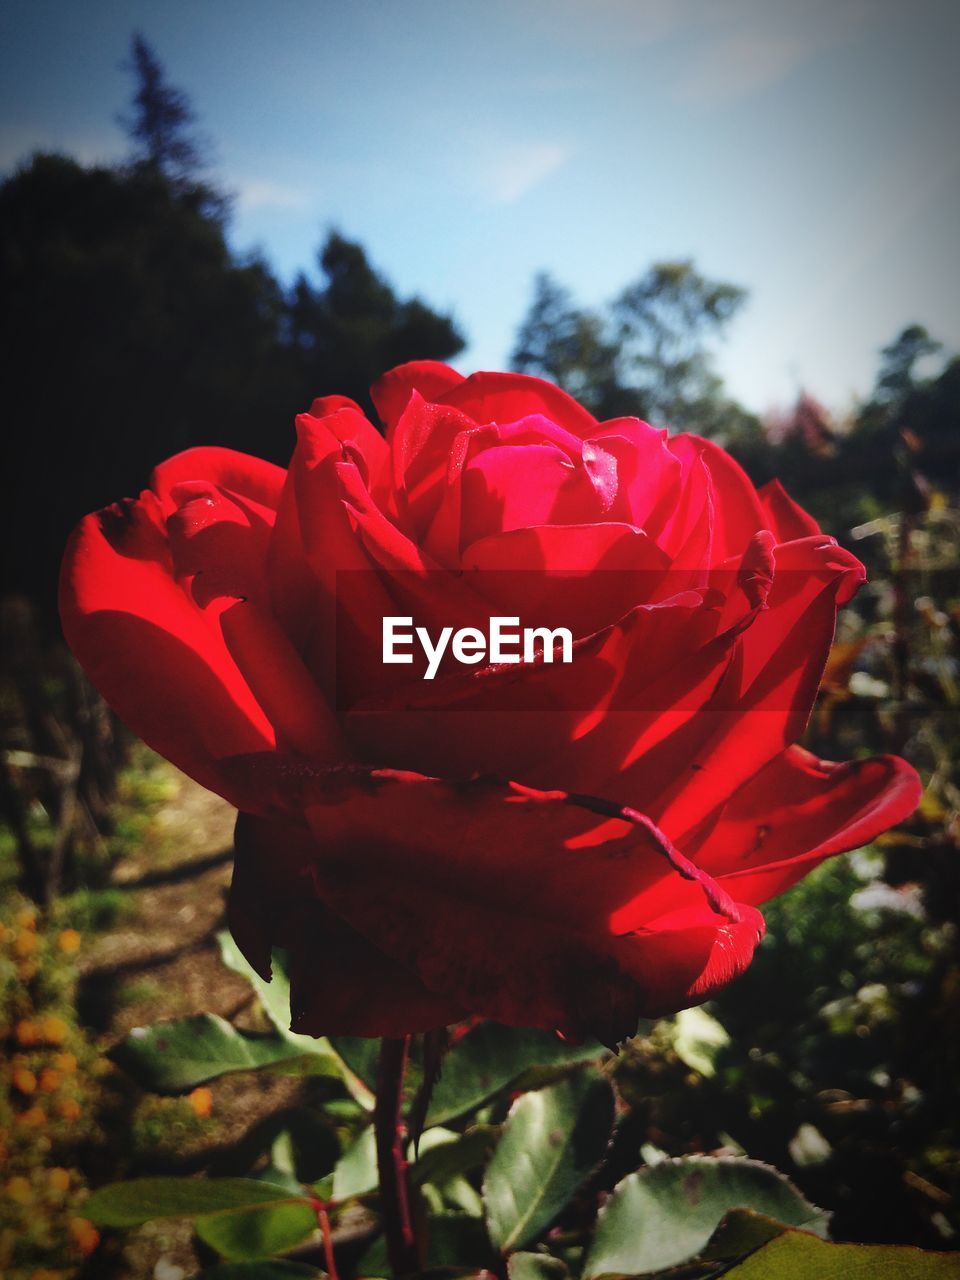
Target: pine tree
161,126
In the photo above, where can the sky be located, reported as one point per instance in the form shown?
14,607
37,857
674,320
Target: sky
807,150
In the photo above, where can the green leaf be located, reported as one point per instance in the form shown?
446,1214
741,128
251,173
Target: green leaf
356,1170
739,1233
360,1055
273,995
305,1150
490,1057
275,998
552,1140
128,1204
273,1270
797,1256
171,1057
665,1215
697,1039
535,1266
445,1155
454,1240
257,1233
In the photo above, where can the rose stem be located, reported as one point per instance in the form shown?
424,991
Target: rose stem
331,1262
388,1124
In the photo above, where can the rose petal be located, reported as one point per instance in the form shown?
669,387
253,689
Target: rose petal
240,474
765,699
581,576
737,511
217,544
788,520
430,378
686,957
648,473
798,811
557,724
508,465
336,421
506,397
340,983
159,662
428,872
421,444
274,671
323,587
519,485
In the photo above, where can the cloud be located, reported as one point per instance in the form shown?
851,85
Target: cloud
739,65
752,47
507,172
261,193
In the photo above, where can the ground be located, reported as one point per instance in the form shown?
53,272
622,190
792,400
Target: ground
161,960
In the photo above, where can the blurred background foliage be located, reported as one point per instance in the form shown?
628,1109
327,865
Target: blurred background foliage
130,331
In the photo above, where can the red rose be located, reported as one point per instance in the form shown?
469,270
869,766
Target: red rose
565,846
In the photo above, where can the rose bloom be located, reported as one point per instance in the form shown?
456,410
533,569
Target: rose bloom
566,846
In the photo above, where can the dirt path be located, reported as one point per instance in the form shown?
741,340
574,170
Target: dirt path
161,961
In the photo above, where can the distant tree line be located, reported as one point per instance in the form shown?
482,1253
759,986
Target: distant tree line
648,354
130,330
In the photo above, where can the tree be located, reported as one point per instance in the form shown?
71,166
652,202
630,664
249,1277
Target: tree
161,126
662,324
644,355
129,333
565,343
343,335
897,376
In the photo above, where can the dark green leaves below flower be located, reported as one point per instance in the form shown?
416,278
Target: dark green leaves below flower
257,1233
490,1057
797,1256
666,1214
128,1204
552,1140
171,1057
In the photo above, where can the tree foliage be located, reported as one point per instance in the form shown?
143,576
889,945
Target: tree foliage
161,124
345,332
646,354
132,330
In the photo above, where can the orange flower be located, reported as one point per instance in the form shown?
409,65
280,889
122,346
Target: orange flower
69,1108
53,1030
25,944
58,1179
33,1117
49,1080
26,918
20,1191
201,1101
69,941
84,1235
26,1032
65,1063
23,1080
